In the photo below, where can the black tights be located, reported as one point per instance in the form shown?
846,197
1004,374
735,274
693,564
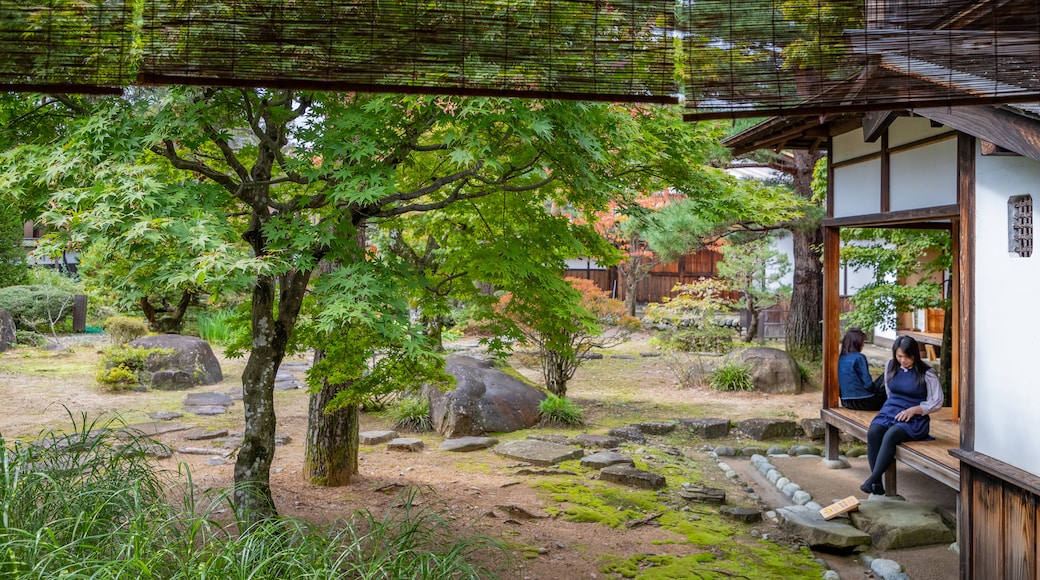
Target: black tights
881,448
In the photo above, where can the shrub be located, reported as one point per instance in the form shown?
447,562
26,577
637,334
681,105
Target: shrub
30,338
560,412
410,413
732,376
36,306
692,320
123,329
123,366
217,327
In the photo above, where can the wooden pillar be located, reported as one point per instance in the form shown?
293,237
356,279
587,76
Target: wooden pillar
79,313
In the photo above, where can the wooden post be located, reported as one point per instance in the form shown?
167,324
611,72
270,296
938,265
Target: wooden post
79,313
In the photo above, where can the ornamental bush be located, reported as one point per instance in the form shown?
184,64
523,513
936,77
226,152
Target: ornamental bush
36,306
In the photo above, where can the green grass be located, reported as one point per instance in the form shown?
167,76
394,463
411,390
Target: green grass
90,504
731,376
410,414
560,412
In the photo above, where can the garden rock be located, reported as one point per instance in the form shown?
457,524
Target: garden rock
376,437
702,494
285,381
763,429
153,429
772,370
203,434
601,441
192,355
814,428
632,477
207,410
541,453
165,415
742,514
484,400
899,524
808,524
657,427
629,433
464,444
603,459
171,380
706,428
199,399
8,336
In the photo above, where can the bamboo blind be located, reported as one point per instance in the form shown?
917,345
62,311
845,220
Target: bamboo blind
722,57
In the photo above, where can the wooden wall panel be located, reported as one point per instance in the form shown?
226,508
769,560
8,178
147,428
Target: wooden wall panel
1020,534
988,548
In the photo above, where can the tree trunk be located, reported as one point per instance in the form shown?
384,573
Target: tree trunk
253,499
554,370
804,336
332,439
752,329
631,285
946,360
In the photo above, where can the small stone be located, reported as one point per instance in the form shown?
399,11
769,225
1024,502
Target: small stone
376,437
702,494
206,410
280,440
790,488
706,428
763,429
742,514
465,444
781,482
765,467
632,477
856,452
751,451
814,428
629,433
773,476
831,575
205,399
731,474
885,568
724,466
606,459
213,461
165,415
405,444
776,450
801,497
726,451
601,441
657,427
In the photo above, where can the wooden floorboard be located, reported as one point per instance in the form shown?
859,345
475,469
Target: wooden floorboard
931,457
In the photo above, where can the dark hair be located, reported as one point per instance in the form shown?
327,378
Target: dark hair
853,341
910,349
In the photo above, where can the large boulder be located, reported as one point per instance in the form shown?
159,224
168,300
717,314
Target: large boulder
191,355
7,330
484,400
772,370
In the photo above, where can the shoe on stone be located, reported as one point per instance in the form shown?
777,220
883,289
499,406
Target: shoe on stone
872,488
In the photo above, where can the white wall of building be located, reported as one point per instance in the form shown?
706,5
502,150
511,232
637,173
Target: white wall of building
857,188
851,145
1007,319
924,176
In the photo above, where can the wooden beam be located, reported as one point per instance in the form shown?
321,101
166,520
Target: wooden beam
1004,128
831,316
900,218
875,123
886,174
990,149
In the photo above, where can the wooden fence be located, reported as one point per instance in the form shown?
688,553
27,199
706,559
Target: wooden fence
661,280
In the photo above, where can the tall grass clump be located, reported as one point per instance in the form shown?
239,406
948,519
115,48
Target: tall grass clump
732,376
90,504
560,412
217,327
411,413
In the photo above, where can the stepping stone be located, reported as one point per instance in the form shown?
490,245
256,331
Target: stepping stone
762,429
808,524
552,438
236,439
896,524
165,415
405,444
376,437
706,428
632,477
213,461
204,399
156,449
649,354
606,459
541,453
702,494
657,427
294,366
203,451
202,434
629,433
153,429
207,409
468,444
602,441
741,514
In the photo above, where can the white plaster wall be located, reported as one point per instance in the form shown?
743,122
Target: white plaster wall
850,145
857,189
909,129
924,176
1007,319
583,264
785,245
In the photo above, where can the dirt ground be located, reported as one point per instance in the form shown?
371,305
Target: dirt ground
42,389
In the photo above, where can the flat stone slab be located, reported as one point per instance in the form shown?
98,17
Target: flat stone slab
206,409
376,437
165,415
744,514
702,494
204,451
154,429
707,428
542,453
657,427
809,525
203,434
463,444
894,523
632,477
236,439
205,399
405,444
602,459
601,441
762,429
